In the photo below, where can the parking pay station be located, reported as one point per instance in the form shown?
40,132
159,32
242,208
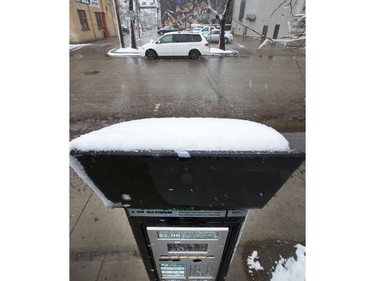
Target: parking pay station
186,202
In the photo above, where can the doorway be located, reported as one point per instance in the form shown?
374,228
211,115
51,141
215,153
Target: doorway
105,26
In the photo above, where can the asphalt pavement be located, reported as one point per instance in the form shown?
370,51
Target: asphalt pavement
267,86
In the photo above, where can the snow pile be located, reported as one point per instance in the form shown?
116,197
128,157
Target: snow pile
183,134
291,269
74,47
283,41
217,51
252,264
124,52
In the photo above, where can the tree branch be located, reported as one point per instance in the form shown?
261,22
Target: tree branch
277,8
287,4
292,6
216,13
240,23
284,41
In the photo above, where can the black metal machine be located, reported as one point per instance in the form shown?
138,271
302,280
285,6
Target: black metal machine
186,212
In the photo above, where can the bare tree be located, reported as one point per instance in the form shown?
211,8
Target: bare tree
297,35
221,17
288,4
296,28
121,35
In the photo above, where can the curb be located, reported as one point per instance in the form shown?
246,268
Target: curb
224,54
113,53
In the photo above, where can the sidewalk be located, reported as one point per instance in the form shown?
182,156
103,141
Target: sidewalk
102,246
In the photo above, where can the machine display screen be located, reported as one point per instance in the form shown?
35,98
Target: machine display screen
188,252
179,247
188,235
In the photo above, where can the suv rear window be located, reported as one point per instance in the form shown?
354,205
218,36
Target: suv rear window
180,38
196,38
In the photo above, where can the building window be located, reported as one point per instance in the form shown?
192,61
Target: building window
276,31
99,20
264,33
83,20
242,10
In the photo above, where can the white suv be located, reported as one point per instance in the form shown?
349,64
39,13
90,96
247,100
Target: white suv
180,44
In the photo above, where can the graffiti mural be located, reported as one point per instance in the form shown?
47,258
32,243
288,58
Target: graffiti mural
183,13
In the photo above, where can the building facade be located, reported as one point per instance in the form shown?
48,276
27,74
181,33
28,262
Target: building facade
92,20
271,18
181,13
149,13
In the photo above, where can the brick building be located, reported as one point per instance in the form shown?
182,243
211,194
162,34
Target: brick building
92,20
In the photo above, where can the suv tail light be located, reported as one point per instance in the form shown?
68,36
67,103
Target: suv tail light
206,45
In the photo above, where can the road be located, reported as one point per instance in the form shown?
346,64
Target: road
266,86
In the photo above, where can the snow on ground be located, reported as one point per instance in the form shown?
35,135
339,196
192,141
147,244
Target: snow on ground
252,264
217,51
183,134
120,52
290,269
73,47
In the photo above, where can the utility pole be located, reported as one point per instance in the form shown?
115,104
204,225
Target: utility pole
132,16
121,35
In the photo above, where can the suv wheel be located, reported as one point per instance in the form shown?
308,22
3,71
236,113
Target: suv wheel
194,54
151,54
226,40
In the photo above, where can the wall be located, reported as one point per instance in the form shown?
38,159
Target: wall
178,12
77,35
266,14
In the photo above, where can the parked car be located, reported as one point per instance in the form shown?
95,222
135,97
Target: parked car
196,25
207,29
180,44
214,36
196,29
167,29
